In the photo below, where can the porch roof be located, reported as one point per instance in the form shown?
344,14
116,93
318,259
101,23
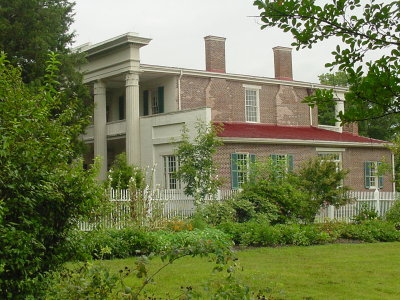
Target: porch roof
269,131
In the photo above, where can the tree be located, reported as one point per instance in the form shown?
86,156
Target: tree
197,169
380,128
29,30
43,186
121,173
363,26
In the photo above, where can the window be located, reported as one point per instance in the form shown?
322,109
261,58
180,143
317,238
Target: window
252,104
284,160
372,178
240,168
170,167
334,157
156,101
154,104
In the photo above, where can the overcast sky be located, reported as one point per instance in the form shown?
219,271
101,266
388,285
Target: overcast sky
177,28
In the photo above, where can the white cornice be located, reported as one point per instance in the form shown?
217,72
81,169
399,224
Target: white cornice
302,142
127,38
238,77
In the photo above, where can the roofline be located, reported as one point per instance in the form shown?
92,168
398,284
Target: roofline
231,140
239,77
127,38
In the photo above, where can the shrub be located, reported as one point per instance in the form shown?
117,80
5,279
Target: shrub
393,215
121,243
372,231
365,213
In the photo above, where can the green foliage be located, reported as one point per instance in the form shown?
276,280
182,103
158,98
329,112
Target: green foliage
365,213
90,281
264,234
197,168
96,281
393,215
121,174
363,27
29,30
43,187
132,241
372,231
321,181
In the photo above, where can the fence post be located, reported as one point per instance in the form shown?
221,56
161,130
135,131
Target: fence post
331,212
377,202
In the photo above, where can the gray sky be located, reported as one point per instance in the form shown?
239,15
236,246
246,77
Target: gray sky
177,28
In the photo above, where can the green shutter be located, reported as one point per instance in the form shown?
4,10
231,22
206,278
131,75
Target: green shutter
380,177
290,162
234,171
252,166
145,103
161,99
367,174
121,107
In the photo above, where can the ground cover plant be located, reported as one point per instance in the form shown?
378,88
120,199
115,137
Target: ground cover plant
336,271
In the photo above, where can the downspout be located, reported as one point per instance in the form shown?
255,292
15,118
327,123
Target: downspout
179,90
393,174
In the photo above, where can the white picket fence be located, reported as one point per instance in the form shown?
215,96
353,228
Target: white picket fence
381,202
175,204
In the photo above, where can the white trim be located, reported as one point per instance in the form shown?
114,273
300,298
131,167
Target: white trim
238,77
393,175
300,142
330,149
257,91
252,87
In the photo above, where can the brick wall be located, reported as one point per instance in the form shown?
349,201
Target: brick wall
278,104
352,158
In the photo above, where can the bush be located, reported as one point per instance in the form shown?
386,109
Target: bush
365,213
393,215
372,231
121,243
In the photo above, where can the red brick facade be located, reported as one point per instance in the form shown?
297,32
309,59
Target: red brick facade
352,159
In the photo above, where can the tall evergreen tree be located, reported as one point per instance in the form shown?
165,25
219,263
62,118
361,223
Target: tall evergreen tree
29,30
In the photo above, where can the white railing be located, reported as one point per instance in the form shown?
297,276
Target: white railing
175,204
381,202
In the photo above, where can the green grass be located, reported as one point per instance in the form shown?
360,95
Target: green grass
338,271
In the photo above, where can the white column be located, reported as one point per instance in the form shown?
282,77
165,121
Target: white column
132,119
339,107
100,130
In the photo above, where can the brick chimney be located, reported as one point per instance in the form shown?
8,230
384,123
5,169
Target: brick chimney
215,53
283,63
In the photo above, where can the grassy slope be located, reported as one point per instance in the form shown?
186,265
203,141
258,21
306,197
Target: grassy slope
339,271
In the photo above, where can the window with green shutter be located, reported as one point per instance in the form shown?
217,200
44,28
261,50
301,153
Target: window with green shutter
372,178
240,168
283,160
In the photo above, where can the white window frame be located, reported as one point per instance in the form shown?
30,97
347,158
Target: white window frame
243,168
374,176
171,165
254,118
330,156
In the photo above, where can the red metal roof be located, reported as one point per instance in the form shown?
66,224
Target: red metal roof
251,130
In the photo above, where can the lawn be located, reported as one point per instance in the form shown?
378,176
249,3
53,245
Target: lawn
338,271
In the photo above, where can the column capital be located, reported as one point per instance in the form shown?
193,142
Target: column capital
99,87
132,79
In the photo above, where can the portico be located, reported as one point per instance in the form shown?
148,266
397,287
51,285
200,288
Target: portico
113,70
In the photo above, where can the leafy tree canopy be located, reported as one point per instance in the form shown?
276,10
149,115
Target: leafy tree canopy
363,26
29,30
43,187
197,169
